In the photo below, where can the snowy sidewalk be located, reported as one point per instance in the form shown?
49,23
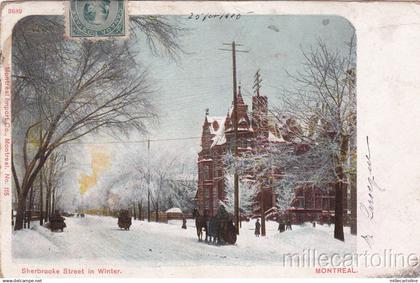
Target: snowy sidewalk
157,244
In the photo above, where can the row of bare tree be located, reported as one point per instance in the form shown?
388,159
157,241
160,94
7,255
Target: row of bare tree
64,90
147,185
46,190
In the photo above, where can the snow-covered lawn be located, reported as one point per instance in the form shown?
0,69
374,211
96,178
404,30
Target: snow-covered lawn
157,244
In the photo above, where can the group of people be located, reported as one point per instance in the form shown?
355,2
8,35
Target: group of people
283,226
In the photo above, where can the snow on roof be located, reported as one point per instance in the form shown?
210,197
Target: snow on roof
174,210
245,129
218,132
217,127
211,119
274,138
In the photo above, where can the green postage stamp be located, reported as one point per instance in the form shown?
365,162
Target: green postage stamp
98,18
209,139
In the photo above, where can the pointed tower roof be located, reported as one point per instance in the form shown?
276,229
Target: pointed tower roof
239,98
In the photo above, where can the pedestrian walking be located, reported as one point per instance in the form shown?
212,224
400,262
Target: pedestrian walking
184,223
281,226
257,228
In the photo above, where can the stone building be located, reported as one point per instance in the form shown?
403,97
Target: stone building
255,129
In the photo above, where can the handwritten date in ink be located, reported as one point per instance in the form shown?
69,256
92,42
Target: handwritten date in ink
223,16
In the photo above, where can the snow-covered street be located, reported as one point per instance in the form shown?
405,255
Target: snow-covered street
157,244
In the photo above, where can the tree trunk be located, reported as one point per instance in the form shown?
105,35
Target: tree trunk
20,213
27,185
31,206
262,212
353,204
339,190
134,212
47,204
53,202
339,223
41,200
157,211
148,206
140,212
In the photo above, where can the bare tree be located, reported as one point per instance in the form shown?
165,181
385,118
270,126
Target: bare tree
66,89
247,194
183,187
162,170
53,172
161,33
270,167
324,103
131,178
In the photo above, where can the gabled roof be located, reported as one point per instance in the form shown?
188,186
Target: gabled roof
242,119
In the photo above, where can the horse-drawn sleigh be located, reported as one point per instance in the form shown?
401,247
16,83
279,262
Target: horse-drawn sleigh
56,222
124,220
219,228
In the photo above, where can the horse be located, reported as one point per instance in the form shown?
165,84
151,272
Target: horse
200,223
230,237
221,229
288,225
212,234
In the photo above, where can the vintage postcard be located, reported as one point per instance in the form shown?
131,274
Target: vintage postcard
209,139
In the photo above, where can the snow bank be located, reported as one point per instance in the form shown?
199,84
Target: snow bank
98,239
23,243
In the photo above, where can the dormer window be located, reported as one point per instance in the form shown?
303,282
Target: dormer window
215,125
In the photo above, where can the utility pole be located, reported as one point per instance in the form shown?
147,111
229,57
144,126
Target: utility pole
256,87
41,180
235,125
257,83
148,180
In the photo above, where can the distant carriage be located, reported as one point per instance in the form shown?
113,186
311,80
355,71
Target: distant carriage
124,220
56,222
